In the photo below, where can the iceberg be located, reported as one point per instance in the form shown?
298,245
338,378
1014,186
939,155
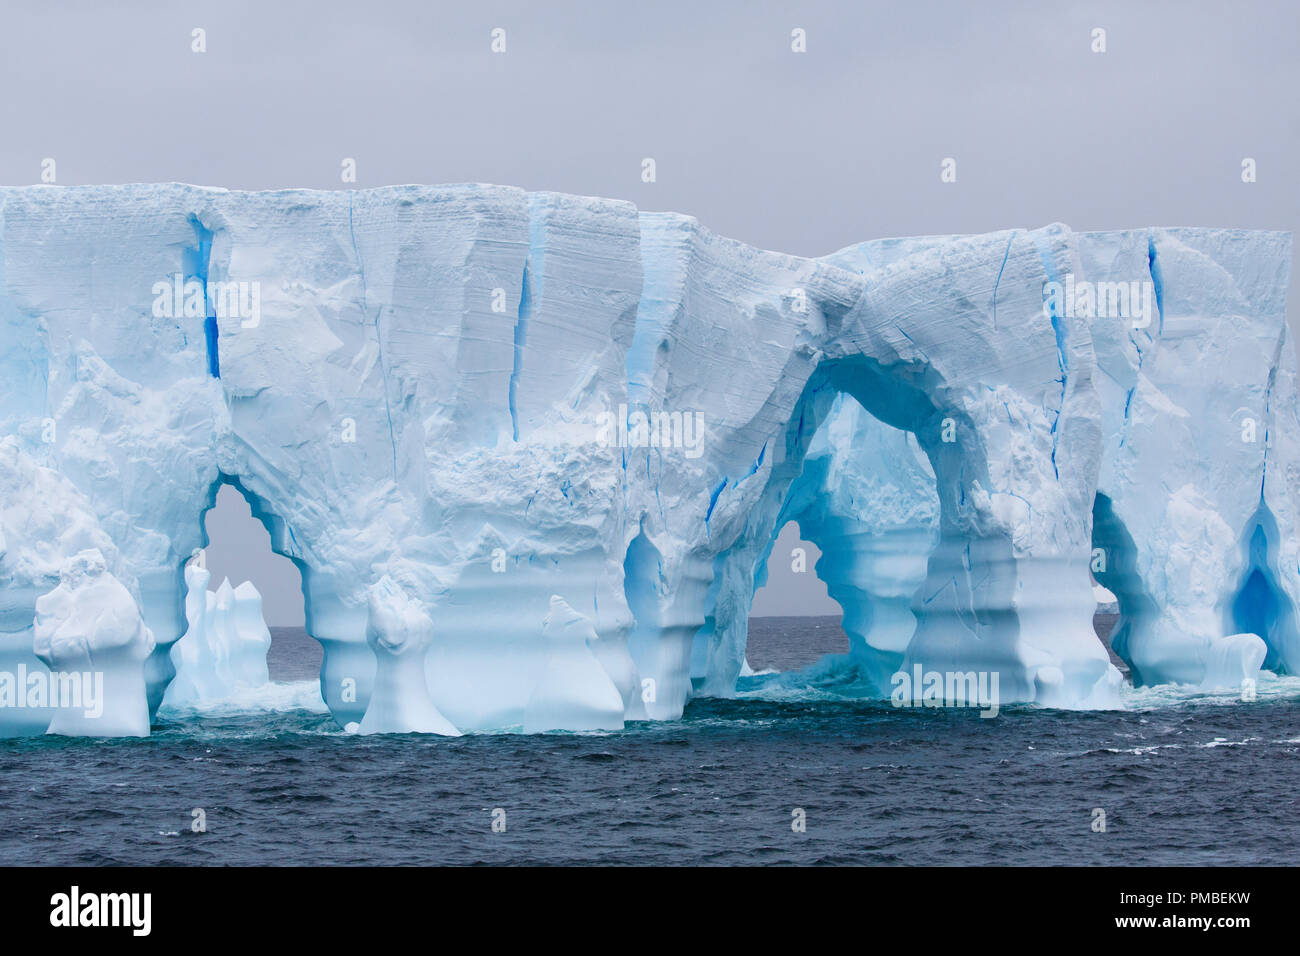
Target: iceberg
539,446
224,646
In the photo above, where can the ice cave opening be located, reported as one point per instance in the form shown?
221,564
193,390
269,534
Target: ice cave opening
1114,566
864,495
927,524
1259,605
866,498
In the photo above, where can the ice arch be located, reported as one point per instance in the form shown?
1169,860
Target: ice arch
225,645
867,499
440,383
915,588
348,669
1008,584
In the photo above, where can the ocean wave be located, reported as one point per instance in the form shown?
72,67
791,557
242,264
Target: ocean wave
1269,687
834,678
827,681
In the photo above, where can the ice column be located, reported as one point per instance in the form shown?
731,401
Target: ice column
400,633
90,634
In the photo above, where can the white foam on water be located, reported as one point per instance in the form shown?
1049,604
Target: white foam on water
273,697
832,679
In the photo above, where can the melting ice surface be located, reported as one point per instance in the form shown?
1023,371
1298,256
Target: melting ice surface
462,412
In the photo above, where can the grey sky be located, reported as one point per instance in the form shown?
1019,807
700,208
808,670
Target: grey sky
804,153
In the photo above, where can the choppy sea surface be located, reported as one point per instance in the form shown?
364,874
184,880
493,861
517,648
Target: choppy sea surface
1182,778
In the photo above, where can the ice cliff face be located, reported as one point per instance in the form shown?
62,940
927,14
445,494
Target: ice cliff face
565,431
1195,506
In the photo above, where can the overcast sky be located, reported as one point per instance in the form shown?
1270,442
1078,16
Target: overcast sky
800,152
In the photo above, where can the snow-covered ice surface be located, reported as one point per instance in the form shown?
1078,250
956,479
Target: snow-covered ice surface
516,407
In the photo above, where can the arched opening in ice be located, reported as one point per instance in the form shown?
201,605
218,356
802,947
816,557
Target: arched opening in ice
1114,565
239,588
862,485
866,499
243,602
237,545
1258,604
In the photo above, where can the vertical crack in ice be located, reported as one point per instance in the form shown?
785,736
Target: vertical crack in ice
713,501
1005,256
1268,402
379,345
1157,282
1158,286
197,262
1128,405
1062,355
520,339
356,253
755,465
1128,398
530,291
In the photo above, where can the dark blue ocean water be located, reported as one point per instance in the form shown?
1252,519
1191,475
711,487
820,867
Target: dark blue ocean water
1183,779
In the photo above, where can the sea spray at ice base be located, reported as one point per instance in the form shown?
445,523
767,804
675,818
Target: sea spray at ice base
418,401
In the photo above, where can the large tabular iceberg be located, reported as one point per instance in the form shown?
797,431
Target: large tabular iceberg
564,433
